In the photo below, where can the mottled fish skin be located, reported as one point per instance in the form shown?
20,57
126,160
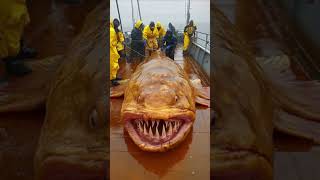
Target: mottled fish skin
159,91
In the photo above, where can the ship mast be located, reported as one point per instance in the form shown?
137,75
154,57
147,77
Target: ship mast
188,12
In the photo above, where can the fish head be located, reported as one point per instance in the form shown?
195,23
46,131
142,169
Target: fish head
159,107
74,139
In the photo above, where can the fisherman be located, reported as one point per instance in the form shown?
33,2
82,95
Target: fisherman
161,33
114,55
137,44
170,43
150,34
120,49
189,32
13,19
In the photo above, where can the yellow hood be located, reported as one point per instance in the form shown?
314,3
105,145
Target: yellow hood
138,24
158,24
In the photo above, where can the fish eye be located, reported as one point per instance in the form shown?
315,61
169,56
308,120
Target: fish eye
176,98
93,119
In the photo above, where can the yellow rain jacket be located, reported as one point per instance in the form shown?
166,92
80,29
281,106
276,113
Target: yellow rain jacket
114,55
13,18
120,45
162,31
188,32
151,37
148,34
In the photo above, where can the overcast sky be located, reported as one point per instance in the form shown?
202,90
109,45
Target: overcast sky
164,11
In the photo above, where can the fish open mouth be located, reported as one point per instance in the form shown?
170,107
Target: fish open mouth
157,135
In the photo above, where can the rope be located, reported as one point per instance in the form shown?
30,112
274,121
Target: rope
127,46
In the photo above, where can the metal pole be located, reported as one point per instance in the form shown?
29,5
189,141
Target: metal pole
132,14
119,15
139,9
185,9
206,41
188,12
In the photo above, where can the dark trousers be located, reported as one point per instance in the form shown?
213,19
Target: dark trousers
170,52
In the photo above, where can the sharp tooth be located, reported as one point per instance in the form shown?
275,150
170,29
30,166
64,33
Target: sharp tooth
163,132
144,129
139,126
157,133
172,124
150,132
153,123
175,127
166,122
170,130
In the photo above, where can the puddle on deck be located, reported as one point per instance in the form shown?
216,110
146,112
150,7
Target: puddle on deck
293,156
189,160
53,26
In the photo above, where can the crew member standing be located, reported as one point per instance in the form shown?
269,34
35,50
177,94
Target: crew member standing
120,49
189,32
170,43
137,42
114,55
161,33
150,34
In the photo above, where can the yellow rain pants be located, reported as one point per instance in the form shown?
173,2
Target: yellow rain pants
186,41
114,55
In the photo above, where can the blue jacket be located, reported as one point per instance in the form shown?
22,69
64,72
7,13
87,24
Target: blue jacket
170,41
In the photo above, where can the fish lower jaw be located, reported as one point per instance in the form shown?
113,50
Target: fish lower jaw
157,135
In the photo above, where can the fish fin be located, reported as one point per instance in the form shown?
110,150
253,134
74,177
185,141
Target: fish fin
118,91
299,97
30,91
296,126
202,93
202,101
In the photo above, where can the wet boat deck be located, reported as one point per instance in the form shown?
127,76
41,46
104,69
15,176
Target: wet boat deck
190,160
